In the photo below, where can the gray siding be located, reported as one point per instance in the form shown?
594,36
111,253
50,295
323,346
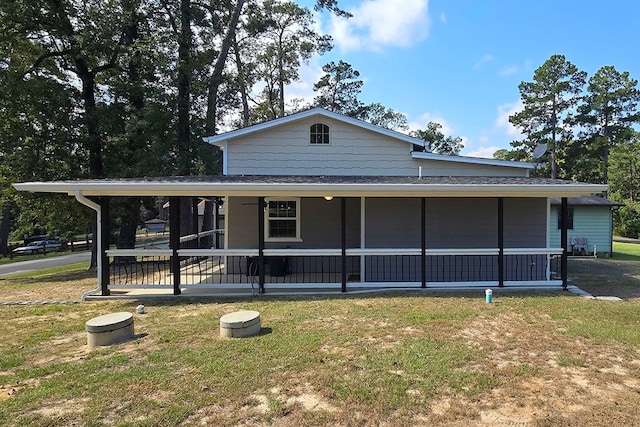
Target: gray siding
320,226
395,223
592,222
473,223
525,222
286,150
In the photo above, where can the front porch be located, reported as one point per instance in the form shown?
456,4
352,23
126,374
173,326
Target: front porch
339,234
224,272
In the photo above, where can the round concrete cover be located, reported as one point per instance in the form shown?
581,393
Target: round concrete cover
239,319
109,322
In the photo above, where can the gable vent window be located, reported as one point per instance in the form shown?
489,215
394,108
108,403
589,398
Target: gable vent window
319,133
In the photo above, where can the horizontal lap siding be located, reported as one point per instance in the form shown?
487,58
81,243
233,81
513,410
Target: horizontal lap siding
354,151
592,222
286,151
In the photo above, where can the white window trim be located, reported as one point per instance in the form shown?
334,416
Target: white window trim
309,135
267,238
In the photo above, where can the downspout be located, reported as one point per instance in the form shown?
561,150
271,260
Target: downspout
96,207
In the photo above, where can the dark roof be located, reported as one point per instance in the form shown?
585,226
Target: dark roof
333,179
586,201
317,186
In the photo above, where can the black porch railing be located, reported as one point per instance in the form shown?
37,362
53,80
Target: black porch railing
364,267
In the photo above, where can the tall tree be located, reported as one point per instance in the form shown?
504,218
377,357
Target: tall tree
379,115
624,181
436,142
287,41
548,101
608,111
339,89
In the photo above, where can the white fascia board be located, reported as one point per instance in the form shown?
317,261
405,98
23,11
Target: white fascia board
225,137
472,160
310,190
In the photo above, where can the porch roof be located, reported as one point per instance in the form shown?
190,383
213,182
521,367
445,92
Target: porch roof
320,186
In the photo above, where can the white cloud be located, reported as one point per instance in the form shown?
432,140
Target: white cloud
483,152
484,60
380,23
502,121
309,75
508,71
443,18
421,123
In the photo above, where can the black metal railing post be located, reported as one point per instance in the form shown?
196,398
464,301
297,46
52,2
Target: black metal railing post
105,240
343,234
261,219
564,217
174,241
501,242
423,232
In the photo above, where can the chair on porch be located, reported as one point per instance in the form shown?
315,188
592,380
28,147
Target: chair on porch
579,245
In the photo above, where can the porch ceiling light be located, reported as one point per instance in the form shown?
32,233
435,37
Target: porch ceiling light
328,198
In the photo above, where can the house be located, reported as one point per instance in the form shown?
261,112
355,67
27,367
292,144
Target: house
590,222
321,201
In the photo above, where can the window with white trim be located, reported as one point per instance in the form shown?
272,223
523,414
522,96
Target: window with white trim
319,133
282,220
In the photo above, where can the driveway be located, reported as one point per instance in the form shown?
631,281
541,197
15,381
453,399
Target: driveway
43,263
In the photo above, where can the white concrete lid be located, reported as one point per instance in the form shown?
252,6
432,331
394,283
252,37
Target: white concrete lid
240,319
109,322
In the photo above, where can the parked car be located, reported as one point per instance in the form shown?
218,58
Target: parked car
39,246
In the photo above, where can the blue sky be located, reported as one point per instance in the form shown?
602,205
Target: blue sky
459,62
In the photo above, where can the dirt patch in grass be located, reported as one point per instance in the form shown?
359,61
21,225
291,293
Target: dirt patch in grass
56,287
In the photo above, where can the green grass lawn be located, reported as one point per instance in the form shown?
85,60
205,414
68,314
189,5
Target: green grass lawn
400,359
626,251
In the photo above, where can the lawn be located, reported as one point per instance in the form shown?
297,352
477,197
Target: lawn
399,359
626,251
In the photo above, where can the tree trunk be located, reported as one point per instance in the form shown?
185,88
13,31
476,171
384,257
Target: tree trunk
131,213
5,227
217,75
185,41
554,161
207,223
243,85
129,223
186,216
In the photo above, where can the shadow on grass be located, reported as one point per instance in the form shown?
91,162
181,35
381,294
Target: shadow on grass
475,294
617,276
625,257
53,277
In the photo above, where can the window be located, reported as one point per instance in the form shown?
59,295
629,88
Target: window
282,220
319,134
569,219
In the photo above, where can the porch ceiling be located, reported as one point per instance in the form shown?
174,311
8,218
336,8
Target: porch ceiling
320,186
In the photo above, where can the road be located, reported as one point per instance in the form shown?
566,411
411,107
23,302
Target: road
44,262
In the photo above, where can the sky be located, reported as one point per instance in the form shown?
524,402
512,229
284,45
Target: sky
459,62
